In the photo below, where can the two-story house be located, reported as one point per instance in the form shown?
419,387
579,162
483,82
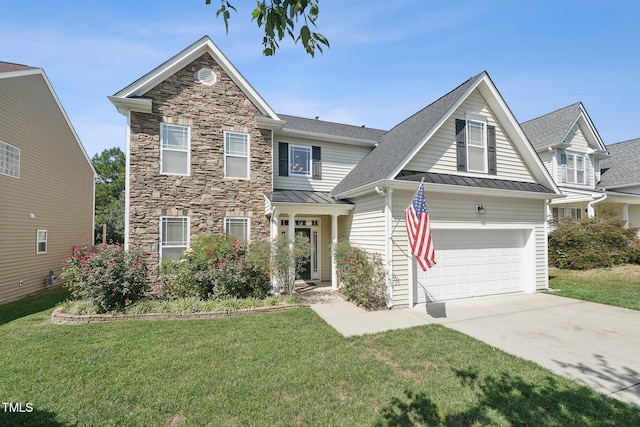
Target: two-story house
206,153
571,149
46,183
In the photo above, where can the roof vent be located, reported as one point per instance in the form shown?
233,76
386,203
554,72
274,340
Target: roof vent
206,76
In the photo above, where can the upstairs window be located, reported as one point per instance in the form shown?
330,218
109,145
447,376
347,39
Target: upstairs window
476,146
236,155
175,141
299,160
9,160
575,167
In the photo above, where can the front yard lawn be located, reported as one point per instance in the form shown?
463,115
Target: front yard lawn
281,369
619,286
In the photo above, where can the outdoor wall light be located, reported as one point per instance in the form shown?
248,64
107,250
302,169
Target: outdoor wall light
479,208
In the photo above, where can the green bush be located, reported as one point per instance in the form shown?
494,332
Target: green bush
110,277
215,267
363,277
287,262
593,243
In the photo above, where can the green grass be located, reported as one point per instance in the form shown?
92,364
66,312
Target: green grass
280,369
619,286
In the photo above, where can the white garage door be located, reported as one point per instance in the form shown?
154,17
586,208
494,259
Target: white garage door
473,263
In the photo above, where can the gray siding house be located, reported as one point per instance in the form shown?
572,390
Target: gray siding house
206,153
46,183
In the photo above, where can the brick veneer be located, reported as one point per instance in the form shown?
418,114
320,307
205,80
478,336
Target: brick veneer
205,196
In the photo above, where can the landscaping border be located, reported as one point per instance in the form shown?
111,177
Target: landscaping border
60,318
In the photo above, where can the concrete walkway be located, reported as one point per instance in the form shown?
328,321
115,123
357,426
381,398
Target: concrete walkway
595,344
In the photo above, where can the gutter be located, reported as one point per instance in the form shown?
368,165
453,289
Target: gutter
590,210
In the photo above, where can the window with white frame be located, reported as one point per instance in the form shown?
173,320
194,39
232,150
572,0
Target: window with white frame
41,241
175,141
476,145
174,236
236,155
299,160
561,213
576,166
238,227
9,160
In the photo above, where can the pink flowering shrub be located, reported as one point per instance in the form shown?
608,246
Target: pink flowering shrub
109,277
215,267
363,277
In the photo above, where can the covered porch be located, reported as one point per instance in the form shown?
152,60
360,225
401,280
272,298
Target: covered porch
312,214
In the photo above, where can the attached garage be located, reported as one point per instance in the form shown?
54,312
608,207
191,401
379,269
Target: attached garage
477,262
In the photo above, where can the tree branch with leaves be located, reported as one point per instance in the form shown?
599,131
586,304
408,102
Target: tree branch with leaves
280,18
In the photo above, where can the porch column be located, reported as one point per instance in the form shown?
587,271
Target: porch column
334,242
274,223
625,214
292,226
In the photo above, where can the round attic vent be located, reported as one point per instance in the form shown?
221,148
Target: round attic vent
206,76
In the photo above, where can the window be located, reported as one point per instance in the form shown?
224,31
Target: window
236,155
299,160
174,149
575,169
476,146
174,236
9,160
573,213
41,241
238,227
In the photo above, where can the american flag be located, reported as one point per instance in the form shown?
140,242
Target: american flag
419,230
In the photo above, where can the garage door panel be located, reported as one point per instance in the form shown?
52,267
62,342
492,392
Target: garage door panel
473,263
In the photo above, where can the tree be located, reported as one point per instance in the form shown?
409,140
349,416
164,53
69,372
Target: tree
279,18
110,166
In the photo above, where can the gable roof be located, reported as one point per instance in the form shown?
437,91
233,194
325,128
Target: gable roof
400,144
6,67
315,127
553,129
621,168
132,96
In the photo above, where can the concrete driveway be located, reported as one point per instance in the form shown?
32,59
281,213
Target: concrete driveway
595,344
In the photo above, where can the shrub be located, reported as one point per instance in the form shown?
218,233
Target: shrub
593,243
287,262
363,277
110,278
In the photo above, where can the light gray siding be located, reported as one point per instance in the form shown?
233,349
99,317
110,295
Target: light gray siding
366,225
54,191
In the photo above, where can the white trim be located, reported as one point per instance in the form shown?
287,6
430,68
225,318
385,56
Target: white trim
388,237
327,138
164,128
469,118
290,228
247,138
309,160
161,236
247,224
39,240
127,184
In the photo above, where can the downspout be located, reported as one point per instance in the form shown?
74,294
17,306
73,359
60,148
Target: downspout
389,243
590,210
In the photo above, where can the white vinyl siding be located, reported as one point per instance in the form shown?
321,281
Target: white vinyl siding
439,153
175,141
9,160
174,236
337,162
367,226
41,241
236,155
238,227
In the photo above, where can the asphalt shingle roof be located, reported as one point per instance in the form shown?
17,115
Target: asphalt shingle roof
399,142
550,129
6,67
330,128
621,168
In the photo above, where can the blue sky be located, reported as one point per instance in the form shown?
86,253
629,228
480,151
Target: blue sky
388,59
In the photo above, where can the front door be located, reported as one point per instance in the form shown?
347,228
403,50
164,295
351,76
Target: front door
305,274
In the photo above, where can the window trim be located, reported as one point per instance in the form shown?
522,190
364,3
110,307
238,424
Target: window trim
247,220
572,178
247,156
309,150
483,121
166,126
4,148
161,245
40,240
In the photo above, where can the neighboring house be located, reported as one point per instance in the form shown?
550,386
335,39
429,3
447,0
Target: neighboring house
46,183
572,151
620,180
206,153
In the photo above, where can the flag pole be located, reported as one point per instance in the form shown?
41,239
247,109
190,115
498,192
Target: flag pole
416,192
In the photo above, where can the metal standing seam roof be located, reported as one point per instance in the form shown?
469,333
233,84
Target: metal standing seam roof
550,129
621,168
331,128
468,181
399,142
304,196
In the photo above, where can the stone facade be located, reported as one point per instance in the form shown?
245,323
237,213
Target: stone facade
206,196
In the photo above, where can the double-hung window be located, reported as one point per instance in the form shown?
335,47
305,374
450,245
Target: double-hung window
236,155
238,227
174,236
175,141
576,169
476,145
41,241
299,160
9,160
